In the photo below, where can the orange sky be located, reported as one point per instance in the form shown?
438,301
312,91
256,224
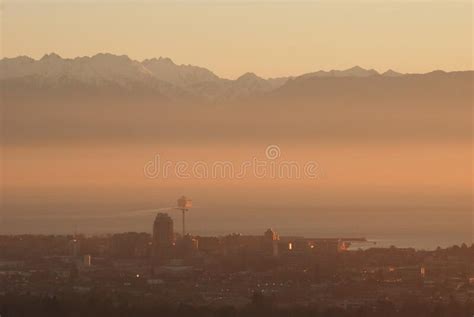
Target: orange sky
406,167
270,38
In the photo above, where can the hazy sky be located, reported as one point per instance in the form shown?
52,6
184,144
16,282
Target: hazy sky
270,38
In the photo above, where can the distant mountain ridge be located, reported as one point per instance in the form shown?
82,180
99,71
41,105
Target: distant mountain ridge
109,98
180,75
160,74
355,71
157,74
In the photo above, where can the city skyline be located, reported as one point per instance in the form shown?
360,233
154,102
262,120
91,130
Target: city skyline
326,146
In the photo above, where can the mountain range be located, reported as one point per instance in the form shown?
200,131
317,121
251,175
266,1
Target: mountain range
109,98
160,75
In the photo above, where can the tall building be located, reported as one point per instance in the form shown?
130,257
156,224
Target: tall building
271,235
163,238
271,240
187,246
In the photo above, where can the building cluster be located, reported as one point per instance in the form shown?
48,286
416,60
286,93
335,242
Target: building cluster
227,270
167,247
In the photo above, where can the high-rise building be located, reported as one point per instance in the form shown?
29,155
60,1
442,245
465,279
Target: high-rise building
271,242
163,238
271,235
187,246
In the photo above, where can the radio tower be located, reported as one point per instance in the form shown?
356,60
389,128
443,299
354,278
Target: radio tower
184,204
